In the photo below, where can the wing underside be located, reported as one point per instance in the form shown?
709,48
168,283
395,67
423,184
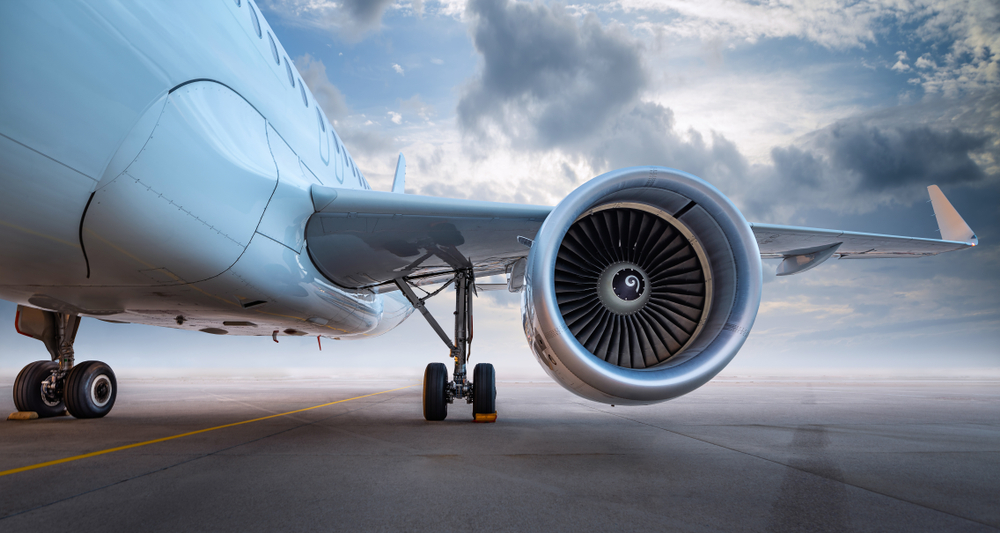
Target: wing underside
370,238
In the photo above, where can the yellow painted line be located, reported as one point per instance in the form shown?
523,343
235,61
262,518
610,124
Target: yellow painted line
188,434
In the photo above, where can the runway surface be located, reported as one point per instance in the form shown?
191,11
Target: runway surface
733,456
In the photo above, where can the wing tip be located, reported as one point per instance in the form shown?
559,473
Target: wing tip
951,224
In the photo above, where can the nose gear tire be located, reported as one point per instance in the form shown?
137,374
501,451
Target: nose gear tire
28,393
90,390
435,383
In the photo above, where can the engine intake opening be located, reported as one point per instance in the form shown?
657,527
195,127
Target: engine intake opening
641,286
633,284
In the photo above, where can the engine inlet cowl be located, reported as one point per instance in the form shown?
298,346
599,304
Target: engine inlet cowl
640,286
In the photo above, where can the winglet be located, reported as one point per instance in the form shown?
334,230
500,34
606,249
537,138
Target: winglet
399,181
950,223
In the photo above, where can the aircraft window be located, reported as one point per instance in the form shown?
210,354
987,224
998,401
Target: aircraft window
274,49
336,141
319,115
288,67
256,23
302,88
238,3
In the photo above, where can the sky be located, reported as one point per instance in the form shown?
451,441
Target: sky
826,113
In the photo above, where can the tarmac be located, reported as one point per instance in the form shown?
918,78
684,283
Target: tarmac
736,455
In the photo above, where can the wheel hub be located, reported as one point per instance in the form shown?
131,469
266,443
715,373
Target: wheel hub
100,390
51,391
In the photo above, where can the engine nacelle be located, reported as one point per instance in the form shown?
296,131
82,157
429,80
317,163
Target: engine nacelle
641,285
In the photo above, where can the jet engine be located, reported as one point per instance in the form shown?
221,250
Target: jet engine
640,286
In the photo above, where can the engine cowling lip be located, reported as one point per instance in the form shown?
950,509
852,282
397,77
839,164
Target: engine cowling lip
612,384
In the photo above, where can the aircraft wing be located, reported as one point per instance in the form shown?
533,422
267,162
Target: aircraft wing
780,241
805,248
363,238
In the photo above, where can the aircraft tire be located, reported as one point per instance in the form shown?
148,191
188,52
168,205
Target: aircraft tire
90,390
484,392
435,381
28,390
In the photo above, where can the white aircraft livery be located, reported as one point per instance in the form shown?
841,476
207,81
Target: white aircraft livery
163,163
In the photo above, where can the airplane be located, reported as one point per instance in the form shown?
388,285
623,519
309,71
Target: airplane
163,163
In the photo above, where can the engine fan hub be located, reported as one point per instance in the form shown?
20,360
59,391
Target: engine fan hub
623,288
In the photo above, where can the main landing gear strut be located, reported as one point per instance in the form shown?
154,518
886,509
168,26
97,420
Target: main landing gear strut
438,391
49,388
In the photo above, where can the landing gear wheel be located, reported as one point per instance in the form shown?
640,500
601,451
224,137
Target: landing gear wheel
435,381
484,393
90,390
28,392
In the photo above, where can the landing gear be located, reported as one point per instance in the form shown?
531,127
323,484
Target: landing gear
437,390
49,388
484,394
31,392
91,389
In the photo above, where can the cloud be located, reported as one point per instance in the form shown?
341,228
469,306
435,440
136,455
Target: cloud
546,79
857,158
546,88
396,118
962,34
646,135
350,18
884,158
397,68
925,61
901,59
878,158
833,25
416,106
367,12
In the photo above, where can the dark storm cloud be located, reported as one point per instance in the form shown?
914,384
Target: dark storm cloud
546,80
891,157
886,157
798,166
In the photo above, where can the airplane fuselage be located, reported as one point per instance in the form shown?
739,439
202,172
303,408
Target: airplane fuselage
159,159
